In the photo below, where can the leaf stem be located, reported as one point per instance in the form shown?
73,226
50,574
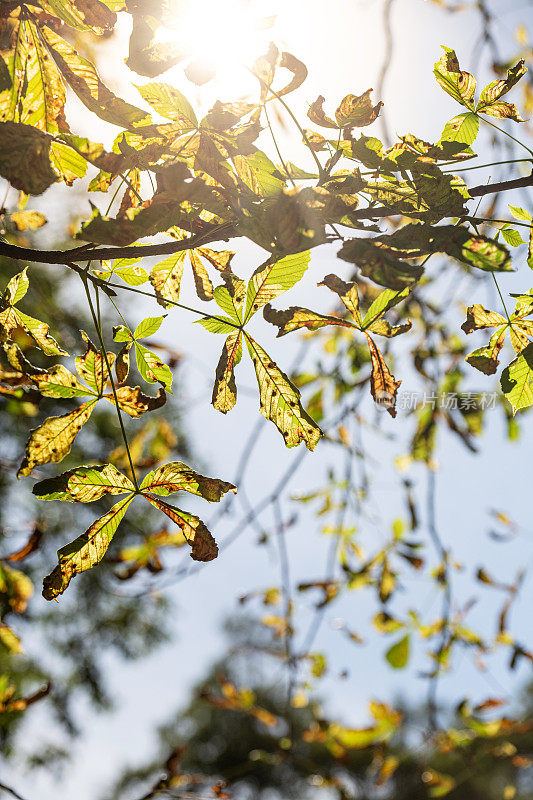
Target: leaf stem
104,353
506,133
501,298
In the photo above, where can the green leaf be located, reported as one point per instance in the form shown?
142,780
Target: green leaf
463,128
11,318
272,279
86,551
383,302
217,324
148,327
152,368
122,334
520,214
517,380
230,298
166,276
85,15
259,173
178,477
84,484
512,237
59,382
37,95
170,103
52,440
82,77
398,654
458,84
127,269
279,400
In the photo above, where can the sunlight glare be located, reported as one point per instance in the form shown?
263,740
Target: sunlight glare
223,33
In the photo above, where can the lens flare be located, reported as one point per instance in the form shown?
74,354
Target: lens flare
219,36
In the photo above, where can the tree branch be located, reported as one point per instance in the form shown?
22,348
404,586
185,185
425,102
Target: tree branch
90,252
226,231
503,186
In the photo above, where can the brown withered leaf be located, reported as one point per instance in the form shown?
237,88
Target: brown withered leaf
357,111
382,384
298,69
295,318
134,402
478,317
225,389
29,547
203,545
317,114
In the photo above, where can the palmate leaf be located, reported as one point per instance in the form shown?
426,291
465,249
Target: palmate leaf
150,366
279,400
92,367
86,551
52,440
11,318
90,483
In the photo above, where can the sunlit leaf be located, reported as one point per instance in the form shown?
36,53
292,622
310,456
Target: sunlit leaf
134,402
458,84
170,103
204,547
86,551
489,99
166,276
84,484
224,389
463,128
82,77
178,477
517,380
11,318
382,384
52,440
279,400
272,279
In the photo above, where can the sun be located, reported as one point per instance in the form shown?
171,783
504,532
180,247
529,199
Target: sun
219,36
